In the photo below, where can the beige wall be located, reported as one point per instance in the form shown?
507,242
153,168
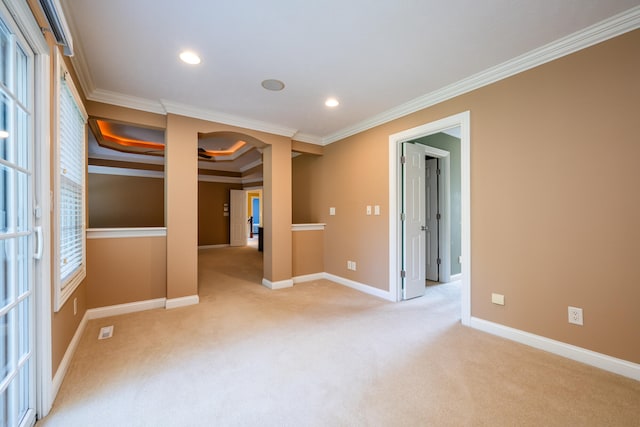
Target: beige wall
554,197
125,201
213,226
308,252
124,270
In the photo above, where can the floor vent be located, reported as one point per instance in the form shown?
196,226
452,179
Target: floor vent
106,332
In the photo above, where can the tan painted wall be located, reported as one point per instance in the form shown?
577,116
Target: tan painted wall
554,197
125,270
213,226
277,211
305,170
125,201
308,252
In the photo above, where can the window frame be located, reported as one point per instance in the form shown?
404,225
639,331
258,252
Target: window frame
63,289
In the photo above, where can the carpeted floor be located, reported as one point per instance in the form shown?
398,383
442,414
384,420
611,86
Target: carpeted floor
320,354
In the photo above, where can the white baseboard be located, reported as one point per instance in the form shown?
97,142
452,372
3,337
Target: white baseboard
182,301
386,295
277,285
132,307
61,372
213,246
599,360
308,278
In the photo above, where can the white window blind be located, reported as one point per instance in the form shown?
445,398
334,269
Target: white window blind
71,190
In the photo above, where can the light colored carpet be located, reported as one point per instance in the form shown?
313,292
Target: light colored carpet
320,354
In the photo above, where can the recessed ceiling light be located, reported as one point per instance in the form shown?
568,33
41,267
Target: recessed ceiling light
190,57
272,84
331,102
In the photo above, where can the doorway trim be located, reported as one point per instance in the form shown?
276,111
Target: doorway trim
462,120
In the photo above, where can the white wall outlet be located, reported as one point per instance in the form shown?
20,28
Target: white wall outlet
575,315
368,210
348,265
497,299
75,306
460,259
376,210
332,211
353,265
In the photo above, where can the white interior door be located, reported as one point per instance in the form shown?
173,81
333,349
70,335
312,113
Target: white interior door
17,274
431,212
413,174
238,218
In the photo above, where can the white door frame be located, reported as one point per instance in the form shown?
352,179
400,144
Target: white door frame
395,194
31,31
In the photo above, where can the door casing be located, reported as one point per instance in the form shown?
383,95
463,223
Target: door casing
462,120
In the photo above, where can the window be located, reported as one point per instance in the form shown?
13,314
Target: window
69,188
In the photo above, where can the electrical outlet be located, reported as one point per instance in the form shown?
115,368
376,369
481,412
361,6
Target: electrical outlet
368,210
376,210
575,315
332,211
460,259
497,299
348,265
353,265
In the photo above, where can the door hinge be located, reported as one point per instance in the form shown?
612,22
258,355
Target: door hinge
438,172
403,216
403,159
439,261
438,216
403,274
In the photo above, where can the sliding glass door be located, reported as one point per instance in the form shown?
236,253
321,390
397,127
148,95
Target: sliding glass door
17,239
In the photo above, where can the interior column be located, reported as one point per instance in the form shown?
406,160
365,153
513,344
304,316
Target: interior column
181,211
277,215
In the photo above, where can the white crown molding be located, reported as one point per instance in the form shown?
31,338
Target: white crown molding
597,33
308,138
78,59
107,170
123,158
127,101
227,119
251,165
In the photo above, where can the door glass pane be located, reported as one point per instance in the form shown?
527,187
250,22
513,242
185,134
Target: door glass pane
4,408
23,390
5,141
4,347
6,261
23,265
22,138
22,75
22,218
4,55
23,320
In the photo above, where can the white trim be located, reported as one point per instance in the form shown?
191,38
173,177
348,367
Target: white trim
127,101
221,179
182,301
597,33
386,295
455,277
395,238
29,28
228,119
68,355
251,165
126,233
226,245
592,358
277,285
308,227
308,278
308,138
120,309
107,170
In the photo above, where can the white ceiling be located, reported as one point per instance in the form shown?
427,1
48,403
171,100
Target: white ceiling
373,55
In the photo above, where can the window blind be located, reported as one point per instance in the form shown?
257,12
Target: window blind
71,190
